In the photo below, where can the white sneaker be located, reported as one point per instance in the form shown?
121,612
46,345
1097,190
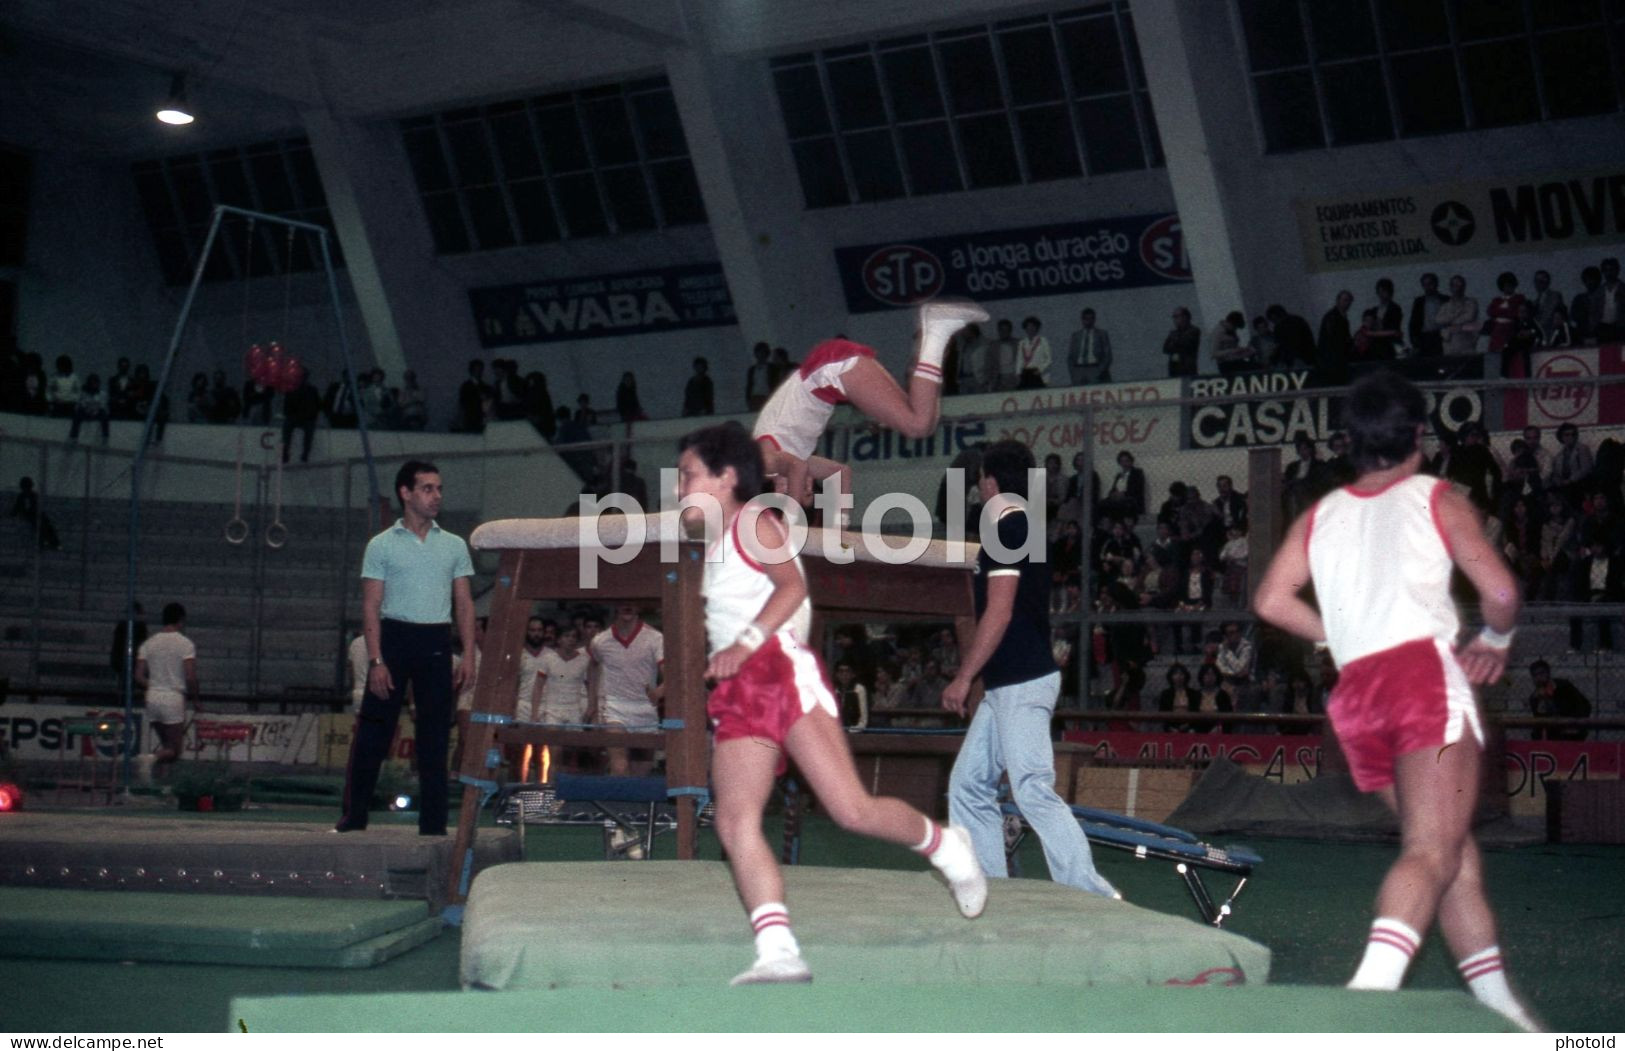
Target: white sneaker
957,862
776,969
955,312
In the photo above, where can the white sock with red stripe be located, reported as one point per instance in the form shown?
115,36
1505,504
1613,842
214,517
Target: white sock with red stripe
928,372
771,922
1486,976
1388,951
946,853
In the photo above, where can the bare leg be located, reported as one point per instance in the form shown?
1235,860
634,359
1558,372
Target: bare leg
742,773
1434,794
818,745
171,738
871,388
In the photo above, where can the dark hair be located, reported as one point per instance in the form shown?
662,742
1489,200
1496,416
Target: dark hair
1506,279
407,476
1237,318
174,613
1384,283
1031,320
1007,463
1382,414
729,445
698,362
1178,669
1203,672
1539,665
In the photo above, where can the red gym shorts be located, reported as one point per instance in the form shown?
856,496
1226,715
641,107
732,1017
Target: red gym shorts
1401,700
764,698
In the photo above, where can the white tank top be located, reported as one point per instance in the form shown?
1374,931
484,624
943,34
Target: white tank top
736,588
797,413
1381,567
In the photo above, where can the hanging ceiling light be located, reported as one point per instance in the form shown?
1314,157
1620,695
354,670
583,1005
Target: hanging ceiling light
175,110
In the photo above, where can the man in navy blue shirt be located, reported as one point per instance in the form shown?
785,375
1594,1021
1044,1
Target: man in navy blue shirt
1011,651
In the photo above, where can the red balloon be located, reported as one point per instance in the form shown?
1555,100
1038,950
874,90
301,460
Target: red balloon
252,359
276,350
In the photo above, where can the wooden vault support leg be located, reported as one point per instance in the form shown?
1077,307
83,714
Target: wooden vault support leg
495,695
688,746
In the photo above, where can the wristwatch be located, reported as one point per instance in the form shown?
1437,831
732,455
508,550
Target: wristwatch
376,662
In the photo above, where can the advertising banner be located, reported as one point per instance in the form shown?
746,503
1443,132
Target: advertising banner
36,731
1061,259
1438,223
625,304
1568,395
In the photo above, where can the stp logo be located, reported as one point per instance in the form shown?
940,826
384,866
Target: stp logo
1564,401
1162,249
902,274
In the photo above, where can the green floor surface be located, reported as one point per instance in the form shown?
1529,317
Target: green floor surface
876,1007
217,929
668,923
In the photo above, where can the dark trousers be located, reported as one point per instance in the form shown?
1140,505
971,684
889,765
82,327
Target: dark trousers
288,427
418,655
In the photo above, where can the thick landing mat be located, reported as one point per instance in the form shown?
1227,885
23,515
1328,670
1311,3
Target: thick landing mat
217,856
876,1007
668,923
246,931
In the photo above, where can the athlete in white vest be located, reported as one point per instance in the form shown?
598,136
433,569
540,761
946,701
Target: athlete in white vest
1379,553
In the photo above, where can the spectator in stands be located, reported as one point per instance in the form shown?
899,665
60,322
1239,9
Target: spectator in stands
627,404
225,405
1390,326
1262,346
1570,472
1229,355
1236,660
851,698
1546,301
413,406
341,402
1120,543
1233,566
1300,699
1178,696
1542,455
92,406
1585,305
1211,696
300,409
257,398
699,394
1559,549
1082,474
166,667
1066,557
1458,319
1472,464
1089,352
1305,479
926,692
1199,525
968,351
1195,594
26,506
945,651
474,398
1126,497
780,366
1001,358
1293,337
142,391
585,414
1054,488
1335,346
1599,573
759,377
1182,345
1517,357
888,694
63,393
1521,544
633,485
1556,698
120,403
1339,467
197,399
1559,333
510,391
1610,304
33,400
377,402
1372,342
1034,356
1229,505
539,405
1502,313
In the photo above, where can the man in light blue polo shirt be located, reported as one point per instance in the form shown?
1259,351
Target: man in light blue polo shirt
413,576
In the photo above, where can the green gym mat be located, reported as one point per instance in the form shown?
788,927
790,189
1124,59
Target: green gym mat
874,1006
217,929
670,923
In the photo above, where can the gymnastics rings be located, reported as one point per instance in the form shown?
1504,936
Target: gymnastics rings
236,531
276,534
